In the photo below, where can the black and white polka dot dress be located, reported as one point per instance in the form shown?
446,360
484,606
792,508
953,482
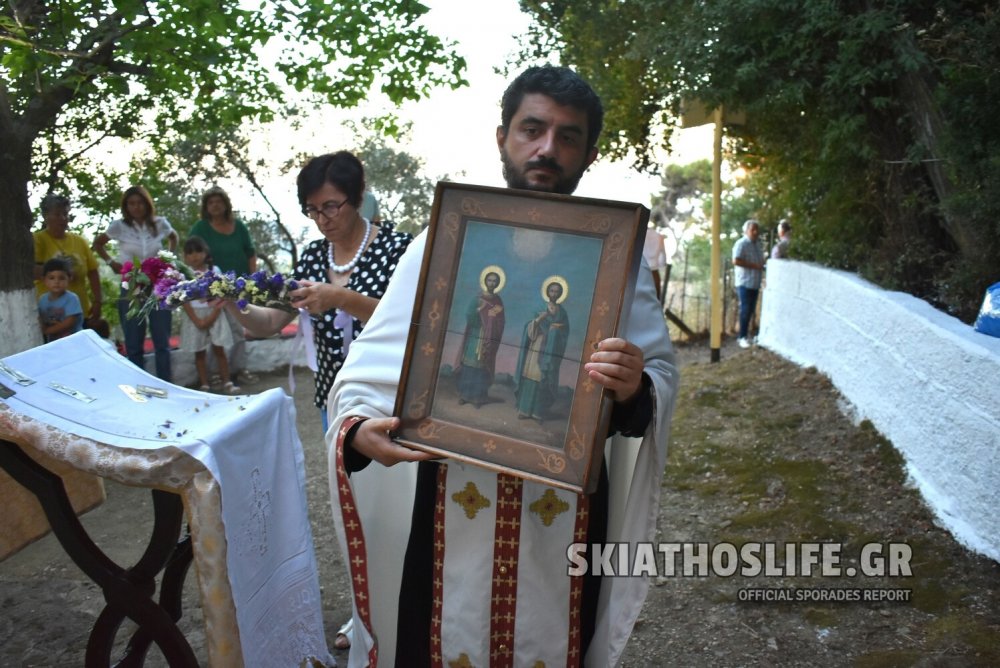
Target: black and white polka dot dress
370,277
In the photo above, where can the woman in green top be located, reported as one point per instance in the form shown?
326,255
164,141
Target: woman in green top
232,250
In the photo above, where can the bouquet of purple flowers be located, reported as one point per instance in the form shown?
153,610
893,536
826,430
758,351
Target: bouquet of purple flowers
258,289
164,282
148,281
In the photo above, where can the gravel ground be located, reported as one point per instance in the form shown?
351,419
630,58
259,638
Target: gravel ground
761,452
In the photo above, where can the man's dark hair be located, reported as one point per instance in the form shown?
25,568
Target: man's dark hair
341,169
561,84
56,264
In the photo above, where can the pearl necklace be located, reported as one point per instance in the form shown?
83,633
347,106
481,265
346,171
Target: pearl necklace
345,268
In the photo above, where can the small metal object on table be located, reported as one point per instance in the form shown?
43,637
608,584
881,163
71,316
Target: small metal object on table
128,592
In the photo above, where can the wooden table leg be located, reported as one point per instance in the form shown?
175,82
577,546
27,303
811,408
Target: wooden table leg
128,592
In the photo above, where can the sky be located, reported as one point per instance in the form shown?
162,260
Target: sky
453,131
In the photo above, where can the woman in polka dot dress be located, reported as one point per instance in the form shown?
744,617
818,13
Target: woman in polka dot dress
341,276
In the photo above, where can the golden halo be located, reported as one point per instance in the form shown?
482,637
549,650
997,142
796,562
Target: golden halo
555,279
495,269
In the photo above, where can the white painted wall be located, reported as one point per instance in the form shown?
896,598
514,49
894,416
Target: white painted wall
927,381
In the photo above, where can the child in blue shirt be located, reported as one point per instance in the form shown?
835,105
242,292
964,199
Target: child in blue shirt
59,309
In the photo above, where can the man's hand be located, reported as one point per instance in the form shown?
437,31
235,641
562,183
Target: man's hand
372,440
617,365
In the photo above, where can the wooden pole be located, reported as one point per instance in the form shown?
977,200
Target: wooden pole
716,267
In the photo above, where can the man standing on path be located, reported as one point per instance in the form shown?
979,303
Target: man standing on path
749,262
484,579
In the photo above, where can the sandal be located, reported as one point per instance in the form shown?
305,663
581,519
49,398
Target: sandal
229,388
204,388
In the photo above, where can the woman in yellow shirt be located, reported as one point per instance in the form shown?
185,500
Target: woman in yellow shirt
54,240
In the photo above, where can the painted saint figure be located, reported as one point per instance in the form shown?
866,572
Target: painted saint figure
542,346
484,323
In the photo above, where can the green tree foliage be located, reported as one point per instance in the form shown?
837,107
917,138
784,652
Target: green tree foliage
689,183
74,73
396,177
870,125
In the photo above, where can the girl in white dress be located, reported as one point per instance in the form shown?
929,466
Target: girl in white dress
203,328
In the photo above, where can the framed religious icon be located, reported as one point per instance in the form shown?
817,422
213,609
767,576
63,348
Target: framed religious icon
516,290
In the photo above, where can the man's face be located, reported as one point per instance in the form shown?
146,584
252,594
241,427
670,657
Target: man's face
753,232
545,147
492,281
554,292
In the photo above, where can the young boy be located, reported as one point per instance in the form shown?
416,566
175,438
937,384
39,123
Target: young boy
59,310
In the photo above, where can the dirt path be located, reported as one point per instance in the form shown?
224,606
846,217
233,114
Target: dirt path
760,452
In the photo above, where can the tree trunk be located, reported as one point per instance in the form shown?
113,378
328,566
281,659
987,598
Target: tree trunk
19,329
929,127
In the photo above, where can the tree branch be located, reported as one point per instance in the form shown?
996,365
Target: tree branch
95,51
62,53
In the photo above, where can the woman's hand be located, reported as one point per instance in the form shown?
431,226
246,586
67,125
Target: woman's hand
316,297
372,440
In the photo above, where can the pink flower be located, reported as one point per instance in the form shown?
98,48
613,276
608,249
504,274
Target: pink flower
154,268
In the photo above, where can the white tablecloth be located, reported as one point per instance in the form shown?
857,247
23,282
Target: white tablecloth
248,444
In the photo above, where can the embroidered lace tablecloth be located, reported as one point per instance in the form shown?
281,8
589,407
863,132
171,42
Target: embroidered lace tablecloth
236,461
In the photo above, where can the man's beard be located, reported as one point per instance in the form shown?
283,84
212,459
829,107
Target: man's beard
516,178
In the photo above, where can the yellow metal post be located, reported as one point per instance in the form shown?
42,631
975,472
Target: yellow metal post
716,268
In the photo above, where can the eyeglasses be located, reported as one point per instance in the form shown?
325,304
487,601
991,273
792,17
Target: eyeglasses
329,210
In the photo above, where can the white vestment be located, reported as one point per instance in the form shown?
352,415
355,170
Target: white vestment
381,499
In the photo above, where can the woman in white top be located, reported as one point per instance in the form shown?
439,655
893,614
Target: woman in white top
140,234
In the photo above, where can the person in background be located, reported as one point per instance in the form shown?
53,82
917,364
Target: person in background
748,260
140,234
203,328
54,240
233,250
780,249
656,258
59,310
341,276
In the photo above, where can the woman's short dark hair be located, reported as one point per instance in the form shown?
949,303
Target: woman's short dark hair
341,169
564,86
